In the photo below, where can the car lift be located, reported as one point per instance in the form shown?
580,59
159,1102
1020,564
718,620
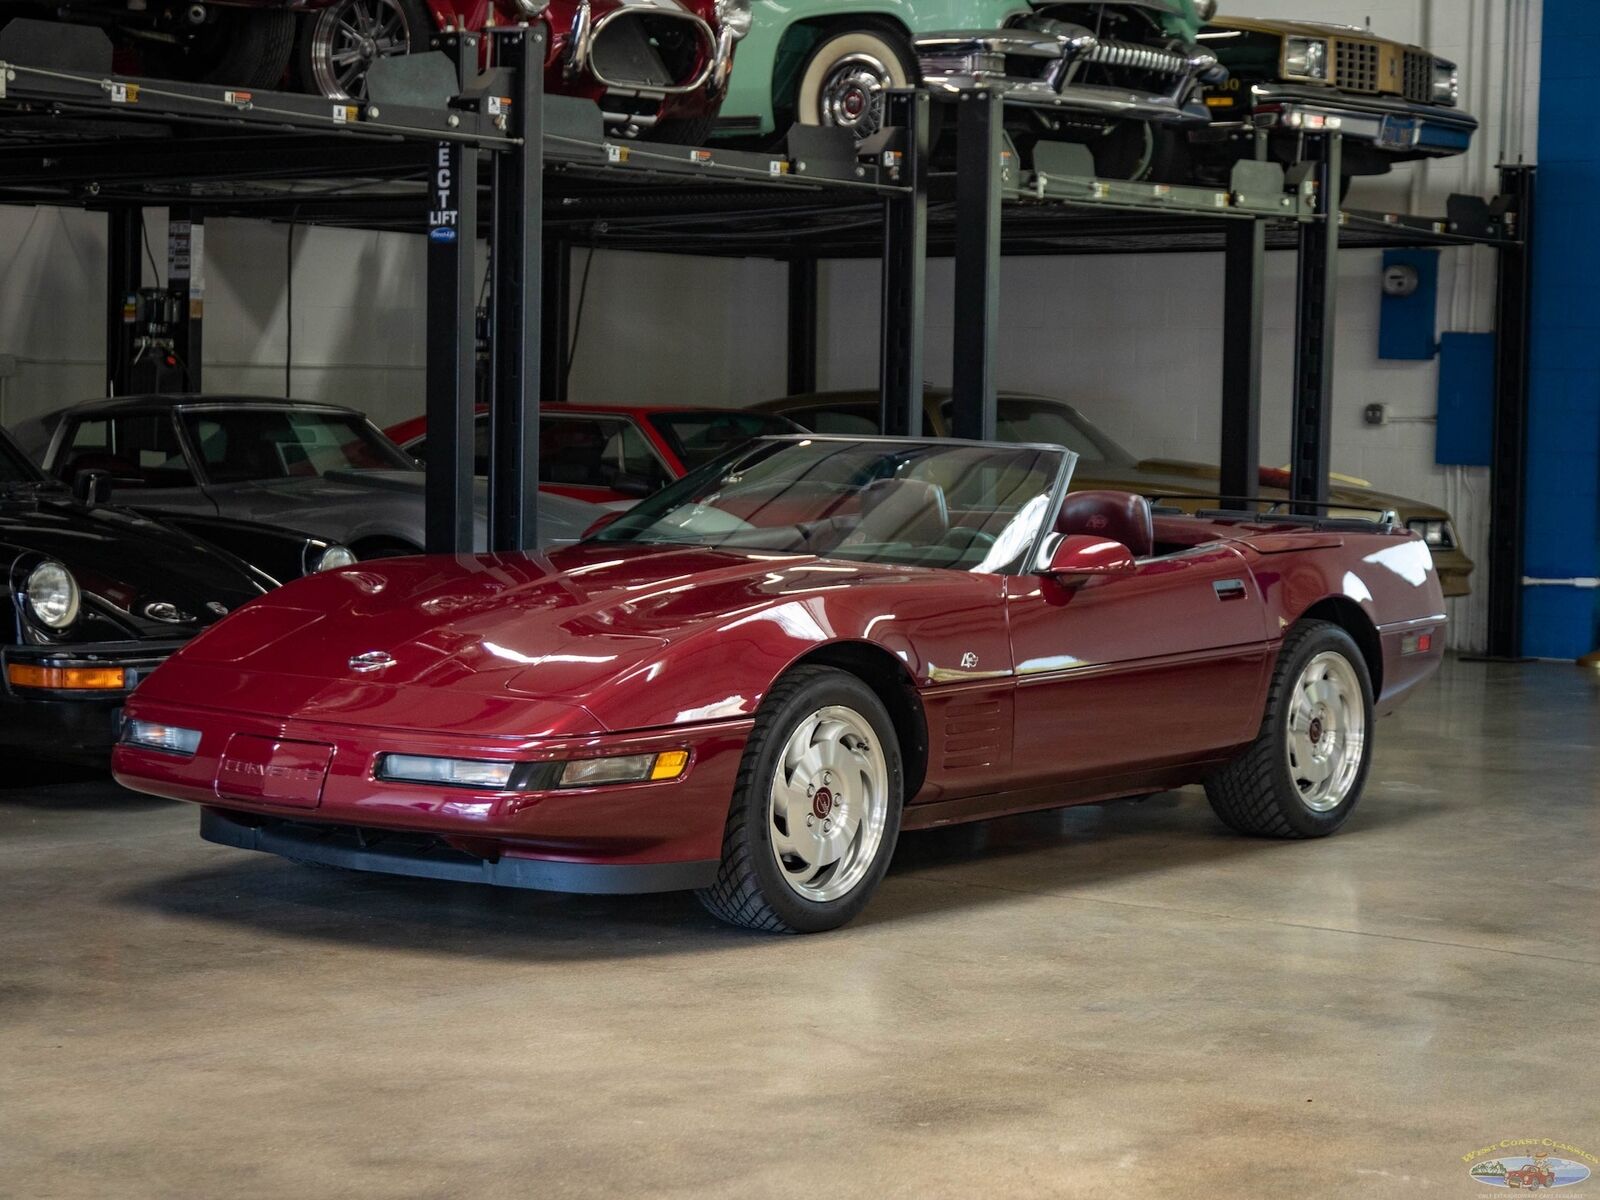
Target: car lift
445,150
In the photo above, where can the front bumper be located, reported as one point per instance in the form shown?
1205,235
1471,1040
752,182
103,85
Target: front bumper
1388,123
617,51
62,723
617,838
1043,69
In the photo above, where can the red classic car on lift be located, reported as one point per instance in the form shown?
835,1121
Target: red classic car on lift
657,67
751,682
605,453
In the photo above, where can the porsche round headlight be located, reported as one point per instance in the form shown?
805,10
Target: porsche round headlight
1446,83
333,558
52,594
735,16
1306,58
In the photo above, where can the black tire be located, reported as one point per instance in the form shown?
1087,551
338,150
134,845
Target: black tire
750,889
241,47
1256,794
881,41
404,23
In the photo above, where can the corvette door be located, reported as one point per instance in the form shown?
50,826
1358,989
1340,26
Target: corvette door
1128,672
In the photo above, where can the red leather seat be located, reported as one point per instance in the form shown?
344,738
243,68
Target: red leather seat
1117,516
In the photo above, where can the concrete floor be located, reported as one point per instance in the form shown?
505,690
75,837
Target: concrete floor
1112,1001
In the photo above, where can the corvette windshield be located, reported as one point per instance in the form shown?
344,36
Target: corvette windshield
951,505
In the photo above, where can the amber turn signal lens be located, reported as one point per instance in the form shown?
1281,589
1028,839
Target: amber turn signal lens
76,679
669,764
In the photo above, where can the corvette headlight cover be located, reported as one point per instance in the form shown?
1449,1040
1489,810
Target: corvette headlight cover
1306,58
53,596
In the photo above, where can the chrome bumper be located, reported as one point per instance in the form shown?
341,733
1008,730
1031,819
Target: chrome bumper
579,57
1386,122
1042,69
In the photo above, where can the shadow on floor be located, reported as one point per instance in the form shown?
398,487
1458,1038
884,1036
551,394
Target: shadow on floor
64,787
976,865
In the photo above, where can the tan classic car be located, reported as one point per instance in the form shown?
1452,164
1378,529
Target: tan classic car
1103,464
1392,102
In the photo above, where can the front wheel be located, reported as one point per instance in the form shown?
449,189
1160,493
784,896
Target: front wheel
844,79
1303,775
340,43
816,808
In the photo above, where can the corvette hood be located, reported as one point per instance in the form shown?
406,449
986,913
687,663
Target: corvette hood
475,637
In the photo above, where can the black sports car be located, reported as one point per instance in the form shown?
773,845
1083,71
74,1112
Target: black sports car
93,598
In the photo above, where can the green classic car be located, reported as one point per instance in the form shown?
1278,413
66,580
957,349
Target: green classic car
1100,73
1102,463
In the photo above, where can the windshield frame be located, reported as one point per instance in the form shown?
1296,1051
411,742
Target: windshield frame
1026,562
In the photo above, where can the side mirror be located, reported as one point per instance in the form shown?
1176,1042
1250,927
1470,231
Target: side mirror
92,487
1079,555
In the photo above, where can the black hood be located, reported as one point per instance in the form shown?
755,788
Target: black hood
139,578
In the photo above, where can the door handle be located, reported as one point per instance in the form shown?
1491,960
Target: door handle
1230,589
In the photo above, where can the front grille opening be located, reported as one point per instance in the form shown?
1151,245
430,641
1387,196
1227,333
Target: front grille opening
1418,77
651,50
1355,66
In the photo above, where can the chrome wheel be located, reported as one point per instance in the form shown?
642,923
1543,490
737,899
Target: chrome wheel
1327,733
829,803
349,37
852,94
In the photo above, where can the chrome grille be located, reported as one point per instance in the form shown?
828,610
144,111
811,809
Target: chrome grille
1355,66
1418,77
1138,58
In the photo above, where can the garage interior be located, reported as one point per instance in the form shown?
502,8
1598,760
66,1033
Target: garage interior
1114,997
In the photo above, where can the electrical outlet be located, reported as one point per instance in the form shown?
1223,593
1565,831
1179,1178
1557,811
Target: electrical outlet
1375,414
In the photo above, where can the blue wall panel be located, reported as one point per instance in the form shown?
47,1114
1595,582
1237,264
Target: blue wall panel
1562,530
1407,327
1466,400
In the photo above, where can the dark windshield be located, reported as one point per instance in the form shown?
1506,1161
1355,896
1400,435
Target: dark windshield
953,505
243,444
14,465
698,437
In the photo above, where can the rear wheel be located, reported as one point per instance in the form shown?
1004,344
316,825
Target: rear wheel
816,808
1303,775
340,43
846,75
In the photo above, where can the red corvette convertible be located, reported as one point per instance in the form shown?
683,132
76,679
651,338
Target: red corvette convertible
749,683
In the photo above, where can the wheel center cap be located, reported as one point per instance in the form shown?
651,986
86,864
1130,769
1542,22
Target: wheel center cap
854,103
822,802
1316,730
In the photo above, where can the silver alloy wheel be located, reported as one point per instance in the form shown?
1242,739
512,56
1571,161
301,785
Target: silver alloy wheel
348,37
852,94
1327,731
829,803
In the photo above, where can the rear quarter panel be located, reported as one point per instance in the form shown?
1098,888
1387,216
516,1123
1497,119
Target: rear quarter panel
1390,577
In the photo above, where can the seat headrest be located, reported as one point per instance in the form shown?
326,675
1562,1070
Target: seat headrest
903,510
1118,516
